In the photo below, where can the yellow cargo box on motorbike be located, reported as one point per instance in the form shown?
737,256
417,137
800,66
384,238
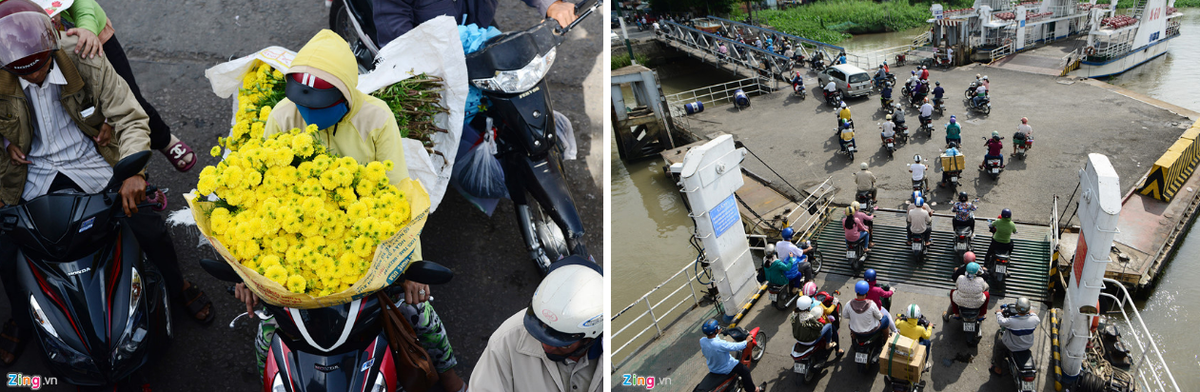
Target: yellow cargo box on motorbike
953,163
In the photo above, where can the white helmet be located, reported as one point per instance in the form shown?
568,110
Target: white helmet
917,158
984,77
769,251
913,311
568,305
863,166
804,303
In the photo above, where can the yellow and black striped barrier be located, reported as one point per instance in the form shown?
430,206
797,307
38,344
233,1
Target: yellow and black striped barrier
746,308
1174,167
1056,359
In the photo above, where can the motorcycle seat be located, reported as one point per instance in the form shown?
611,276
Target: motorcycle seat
711,382
738,334
1023,359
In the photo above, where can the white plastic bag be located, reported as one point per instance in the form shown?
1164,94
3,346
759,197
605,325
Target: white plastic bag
478,172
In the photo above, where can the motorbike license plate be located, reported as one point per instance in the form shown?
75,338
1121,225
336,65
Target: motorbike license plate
960,246
860,357
774,297
1026,385
996,170
850,254
800,368
916,247
953,179
890,145
969,327
1001,269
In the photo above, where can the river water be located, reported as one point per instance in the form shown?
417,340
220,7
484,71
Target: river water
651,226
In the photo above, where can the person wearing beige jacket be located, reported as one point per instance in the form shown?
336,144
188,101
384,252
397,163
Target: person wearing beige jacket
52,104
554,344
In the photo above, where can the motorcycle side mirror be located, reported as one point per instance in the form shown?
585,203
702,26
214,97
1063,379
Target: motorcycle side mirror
127,167
428,272
220,270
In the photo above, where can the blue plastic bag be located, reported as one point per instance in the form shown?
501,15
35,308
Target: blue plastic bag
477,171
473,38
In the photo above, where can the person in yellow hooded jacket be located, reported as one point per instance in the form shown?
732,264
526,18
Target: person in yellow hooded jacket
321,90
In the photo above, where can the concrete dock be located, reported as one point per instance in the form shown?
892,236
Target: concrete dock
677,364
1070,118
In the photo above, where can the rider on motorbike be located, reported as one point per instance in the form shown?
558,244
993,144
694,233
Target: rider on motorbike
717,354
914,326
864,179
898,118
995,149
926,112
938,91
1024,132
845,133
964,212
1017,334
981,92
830,88
864,315
968,258
53,148
867,219
971,291
885,93
797,80
558,337
876,293
920,220
1003,230
953,131
924,73
786,248
844,114
951,151
808,329
917,168
880,76
855,229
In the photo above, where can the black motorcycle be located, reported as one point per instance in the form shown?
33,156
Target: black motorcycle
337,348
510,71
983,106
867,348
1021,364
100,309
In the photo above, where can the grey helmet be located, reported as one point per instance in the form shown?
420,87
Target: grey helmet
1023,305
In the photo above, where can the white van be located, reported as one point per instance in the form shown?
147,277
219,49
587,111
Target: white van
852,81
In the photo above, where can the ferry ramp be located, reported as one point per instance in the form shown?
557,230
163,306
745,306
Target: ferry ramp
893,261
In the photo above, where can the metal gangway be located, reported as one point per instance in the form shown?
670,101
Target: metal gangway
804,46
711,96
759,63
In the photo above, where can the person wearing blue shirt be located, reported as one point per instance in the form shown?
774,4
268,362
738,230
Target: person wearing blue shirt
717,355
938,92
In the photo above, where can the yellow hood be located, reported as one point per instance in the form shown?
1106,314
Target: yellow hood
328,56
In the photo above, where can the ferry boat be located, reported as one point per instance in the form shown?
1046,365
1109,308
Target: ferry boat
1117,43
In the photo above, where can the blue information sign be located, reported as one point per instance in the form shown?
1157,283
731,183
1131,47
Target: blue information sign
724,215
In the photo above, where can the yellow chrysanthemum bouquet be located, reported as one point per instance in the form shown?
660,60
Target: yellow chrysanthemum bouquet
304,228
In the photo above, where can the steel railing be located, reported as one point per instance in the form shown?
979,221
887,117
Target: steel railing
1154,377
1001,52
1158,370
820,201
657,320
711,96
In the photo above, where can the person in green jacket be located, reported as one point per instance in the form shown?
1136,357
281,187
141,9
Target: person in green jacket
777,272
953,132
97,37
1002,230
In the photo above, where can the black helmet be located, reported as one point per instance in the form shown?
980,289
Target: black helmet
962,196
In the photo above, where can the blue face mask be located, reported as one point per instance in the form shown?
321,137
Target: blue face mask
324,118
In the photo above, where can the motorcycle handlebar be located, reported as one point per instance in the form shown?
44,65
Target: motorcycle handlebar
588,7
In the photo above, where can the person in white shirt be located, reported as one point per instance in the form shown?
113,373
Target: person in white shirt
830,88
926,110
917,168
1024,132
980,92
920,220
888,128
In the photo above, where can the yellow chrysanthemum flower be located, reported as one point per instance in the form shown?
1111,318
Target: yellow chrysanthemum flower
296,284
277,274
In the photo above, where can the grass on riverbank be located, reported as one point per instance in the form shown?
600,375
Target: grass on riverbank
834,21
620,61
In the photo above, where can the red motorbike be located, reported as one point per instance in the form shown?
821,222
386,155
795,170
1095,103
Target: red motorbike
754,350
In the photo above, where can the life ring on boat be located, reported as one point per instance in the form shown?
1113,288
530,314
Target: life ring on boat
1089,51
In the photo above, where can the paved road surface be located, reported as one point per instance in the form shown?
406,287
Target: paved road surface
170,44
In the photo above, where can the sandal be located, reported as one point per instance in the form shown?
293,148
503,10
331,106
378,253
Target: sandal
12,340
177,151
195,301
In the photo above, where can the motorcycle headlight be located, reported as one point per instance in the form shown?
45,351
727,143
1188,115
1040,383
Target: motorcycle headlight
40,317
519,80
277,385
135,326
380,384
